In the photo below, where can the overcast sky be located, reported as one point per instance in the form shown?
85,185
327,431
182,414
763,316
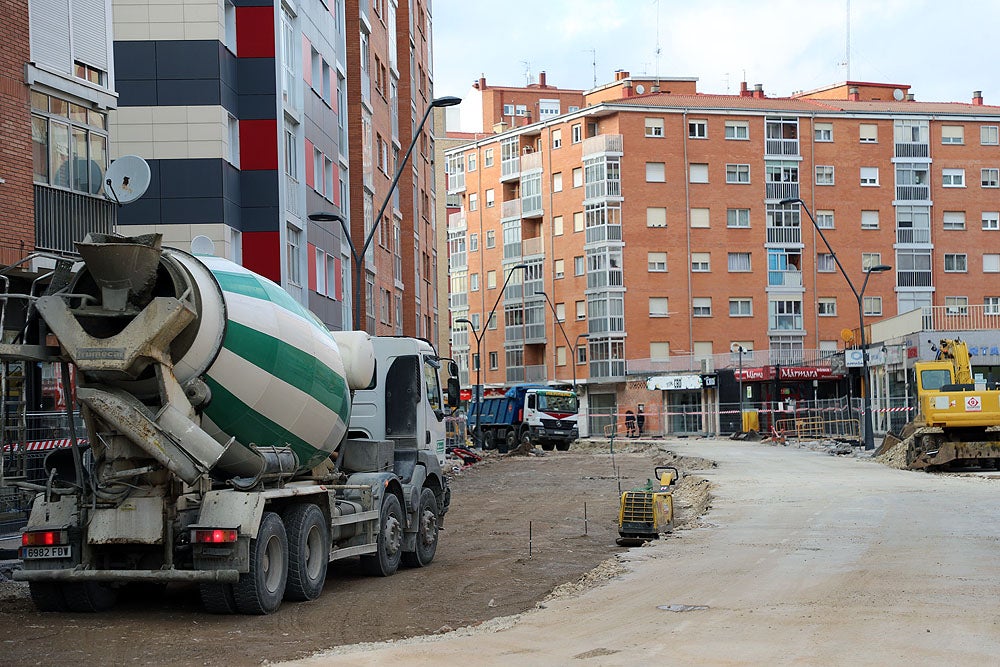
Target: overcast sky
944,49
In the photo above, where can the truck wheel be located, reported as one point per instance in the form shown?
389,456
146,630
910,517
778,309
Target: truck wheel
563,446
427,532
548,446
47,596
308,551
388,552
217,598
260,590
89,596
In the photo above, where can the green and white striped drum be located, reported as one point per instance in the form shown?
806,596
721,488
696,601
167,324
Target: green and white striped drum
275,372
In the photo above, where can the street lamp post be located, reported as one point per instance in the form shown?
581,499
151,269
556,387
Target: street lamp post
478,392
329,217
869,437
740,349
571,347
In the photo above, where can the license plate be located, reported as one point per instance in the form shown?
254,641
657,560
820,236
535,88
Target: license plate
46,552
559,432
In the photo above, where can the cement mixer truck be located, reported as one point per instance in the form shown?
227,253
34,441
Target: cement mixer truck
232,441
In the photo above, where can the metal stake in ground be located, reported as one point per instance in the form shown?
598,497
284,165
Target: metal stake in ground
529,539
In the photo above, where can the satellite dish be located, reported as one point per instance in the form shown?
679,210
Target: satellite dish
202,245
640,89
126,179
897,95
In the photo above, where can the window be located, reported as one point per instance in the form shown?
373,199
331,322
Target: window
581,310
699,217
698,173
823,132
556,139
557,226
869,176
991,178
576,133
739,262
698,129
557,182
654,127
560,268
825,263
521,110
494,356
474,242
826,306
488,157
989,135
491,238
991,263
658,306
953,178
956,262
868,133
655,172
956,305
737,129
474,282
293,251
233,149
471,162
656,217
737,173
824,219
561,312
869,219
578,221
991,221
320,271
738,217
700,262
69,144
824,175
870,259
952,134
508,110
578,177
473,201
954,220
491,280
579,265
656,262
740,307
659,350
991,305
701,306
490,198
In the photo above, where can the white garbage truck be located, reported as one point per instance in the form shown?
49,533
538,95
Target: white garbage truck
232,441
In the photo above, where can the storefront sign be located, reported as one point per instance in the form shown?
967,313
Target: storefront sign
765,373
710,381
674,382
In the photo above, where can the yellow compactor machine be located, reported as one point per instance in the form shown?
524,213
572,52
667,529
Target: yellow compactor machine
647,512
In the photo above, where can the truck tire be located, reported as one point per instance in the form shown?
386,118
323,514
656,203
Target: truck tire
88,597
308,551
548,446
47,596
260,590
563,446
388,552
217,598
427,532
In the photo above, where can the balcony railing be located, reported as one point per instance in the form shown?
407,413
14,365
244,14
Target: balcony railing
530,247
531,162
608,278
602,189
908,149
914,279
913,193
784,323
457,222
910,235
510,168
63,217
751,359
781,147
784,235
784,278
535,374
531,207
458,300
510,210
607,369
602,143
964,318
782,190
515,374
293,191
456,182
602,233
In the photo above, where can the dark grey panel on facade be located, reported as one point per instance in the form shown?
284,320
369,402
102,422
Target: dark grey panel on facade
143,211
187,59
191,178
189,92
231,183
321,123
259,188
329,311
255,76
253,3
257,107
193,210
260,219
233,213
136,93
135,61
227,75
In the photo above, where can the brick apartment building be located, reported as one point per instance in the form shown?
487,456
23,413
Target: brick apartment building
651,219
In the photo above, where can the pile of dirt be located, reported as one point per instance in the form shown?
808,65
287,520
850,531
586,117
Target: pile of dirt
894,457
692,499
610,569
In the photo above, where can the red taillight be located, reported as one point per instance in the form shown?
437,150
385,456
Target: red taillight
214,535
44,538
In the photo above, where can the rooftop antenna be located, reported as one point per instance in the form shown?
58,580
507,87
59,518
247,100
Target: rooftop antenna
847,50
593,63
657,41
527,72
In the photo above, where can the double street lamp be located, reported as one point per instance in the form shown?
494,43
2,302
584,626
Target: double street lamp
571,347
439,102
869,437
736,347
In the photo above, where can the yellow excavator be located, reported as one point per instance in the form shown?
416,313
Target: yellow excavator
958,419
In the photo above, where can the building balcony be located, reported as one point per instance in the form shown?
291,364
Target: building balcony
531,207
602,190
784,324
603,279
603,233
921,193
456,183
784,279
63,217
784,235
510,169
602,143
512,251
458,261
914,278
515,374
457,222
534,334
962,318
531,162
910,235
458,301
532,247
510,210
909,149
781,191
781,147
607,371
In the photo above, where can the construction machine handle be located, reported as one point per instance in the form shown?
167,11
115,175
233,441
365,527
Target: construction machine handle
665,478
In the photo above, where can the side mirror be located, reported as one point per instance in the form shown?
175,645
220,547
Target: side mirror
452,369
454,393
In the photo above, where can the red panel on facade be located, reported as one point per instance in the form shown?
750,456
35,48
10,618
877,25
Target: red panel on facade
255,32
258,144
336,185
310,166
307,70
260,254
338,281
311,250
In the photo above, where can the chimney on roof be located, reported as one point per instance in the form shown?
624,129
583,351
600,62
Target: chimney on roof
909,97
977,98
500,127
482,83
655,88
853,94
744,92
541,79
758,90
621,74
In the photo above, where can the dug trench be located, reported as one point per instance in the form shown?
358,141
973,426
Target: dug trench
520,530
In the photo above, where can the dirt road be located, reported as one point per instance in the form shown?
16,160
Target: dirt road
485,568
809,560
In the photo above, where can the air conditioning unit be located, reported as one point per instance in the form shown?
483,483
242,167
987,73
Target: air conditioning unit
707,366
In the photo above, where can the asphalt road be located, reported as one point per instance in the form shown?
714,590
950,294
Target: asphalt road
806,559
